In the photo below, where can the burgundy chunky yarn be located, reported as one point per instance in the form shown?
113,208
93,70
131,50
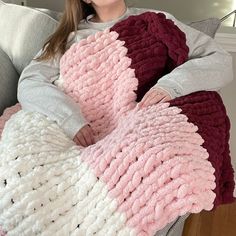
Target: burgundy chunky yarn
155,45
207,111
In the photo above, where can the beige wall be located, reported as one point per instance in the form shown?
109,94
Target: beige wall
183,9
188,10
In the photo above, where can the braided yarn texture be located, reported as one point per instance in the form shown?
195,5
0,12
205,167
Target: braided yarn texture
147,167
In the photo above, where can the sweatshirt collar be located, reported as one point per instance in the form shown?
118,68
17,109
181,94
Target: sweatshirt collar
102,25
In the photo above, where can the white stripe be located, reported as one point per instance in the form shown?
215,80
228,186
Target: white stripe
77,197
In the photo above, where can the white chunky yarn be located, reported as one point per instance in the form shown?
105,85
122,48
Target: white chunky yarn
44,176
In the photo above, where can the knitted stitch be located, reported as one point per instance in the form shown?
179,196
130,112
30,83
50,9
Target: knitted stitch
207,112
155,45
147,167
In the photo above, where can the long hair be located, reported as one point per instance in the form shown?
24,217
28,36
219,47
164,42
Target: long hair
75,11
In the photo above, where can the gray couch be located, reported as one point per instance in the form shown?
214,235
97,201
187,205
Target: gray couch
23,32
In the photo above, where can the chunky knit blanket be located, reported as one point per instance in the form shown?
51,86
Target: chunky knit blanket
148,165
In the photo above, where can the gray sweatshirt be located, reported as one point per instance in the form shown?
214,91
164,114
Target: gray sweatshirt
209,68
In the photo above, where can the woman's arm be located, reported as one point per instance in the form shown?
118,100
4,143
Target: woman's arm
209,66
36,92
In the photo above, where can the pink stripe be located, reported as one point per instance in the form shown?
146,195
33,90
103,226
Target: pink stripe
7,114
2,233
143,187
151,159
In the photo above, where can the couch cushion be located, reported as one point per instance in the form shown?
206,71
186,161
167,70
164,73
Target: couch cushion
208,26
8,82
23,32
54,14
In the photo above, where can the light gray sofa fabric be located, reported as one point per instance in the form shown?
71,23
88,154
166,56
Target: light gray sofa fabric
54,14
208,26
8,82
174,228
23,32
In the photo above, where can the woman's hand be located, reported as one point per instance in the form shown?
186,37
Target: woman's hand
153,96
84,137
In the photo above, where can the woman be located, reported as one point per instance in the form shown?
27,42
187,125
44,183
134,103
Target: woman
209,66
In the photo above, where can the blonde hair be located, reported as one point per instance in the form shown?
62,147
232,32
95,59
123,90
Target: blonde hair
75,11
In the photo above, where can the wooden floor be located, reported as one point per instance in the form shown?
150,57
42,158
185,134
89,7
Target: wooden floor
220,222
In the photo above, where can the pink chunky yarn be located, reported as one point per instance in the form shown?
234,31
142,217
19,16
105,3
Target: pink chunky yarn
6,116
152,180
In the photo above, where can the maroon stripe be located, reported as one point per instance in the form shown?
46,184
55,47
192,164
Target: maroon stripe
207,111
155,45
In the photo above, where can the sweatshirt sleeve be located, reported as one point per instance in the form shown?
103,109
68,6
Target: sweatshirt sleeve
209,66
36,92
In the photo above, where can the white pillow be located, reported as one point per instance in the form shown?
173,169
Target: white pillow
23,32
208,26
